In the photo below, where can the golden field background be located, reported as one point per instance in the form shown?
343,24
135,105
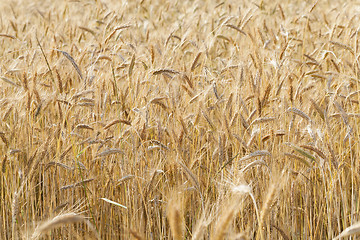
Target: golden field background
179,119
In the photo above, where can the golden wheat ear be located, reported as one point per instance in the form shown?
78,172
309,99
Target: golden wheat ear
60,221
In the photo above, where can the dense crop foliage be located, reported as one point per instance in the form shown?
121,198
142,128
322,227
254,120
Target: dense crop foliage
179,119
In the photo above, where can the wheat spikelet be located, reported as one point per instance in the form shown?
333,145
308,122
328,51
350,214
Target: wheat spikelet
256,154
317,108
335,65
304,161
82,93
252,114
224,222
3,164
125,178
299,113
244,122
199,231
252,138
227,127
189,91
7,36
60,207
252,164
60,220
46,60
281,11
236,28
353,229
49,164
190,175
14,213
67,150
343,113
344,46
31,161
302,152
216,91
188,80
244,23
7,80
314,149
110,151
78,184
208,119
107,126
131,66
221,149
228,106
84,126
175,220
266,96
262,120
165,71
233,119
4,139
71,59
183,125
114,31
195,62
87,30
268,202
333,156
85,104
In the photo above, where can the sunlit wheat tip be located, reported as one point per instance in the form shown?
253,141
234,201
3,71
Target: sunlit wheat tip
242,189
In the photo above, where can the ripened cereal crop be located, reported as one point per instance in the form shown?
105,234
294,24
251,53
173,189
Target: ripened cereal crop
202,119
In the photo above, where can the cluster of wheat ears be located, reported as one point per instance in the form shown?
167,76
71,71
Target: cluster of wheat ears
179,119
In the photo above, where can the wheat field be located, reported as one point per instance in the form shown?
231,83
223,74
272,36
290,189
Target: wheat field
179,119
